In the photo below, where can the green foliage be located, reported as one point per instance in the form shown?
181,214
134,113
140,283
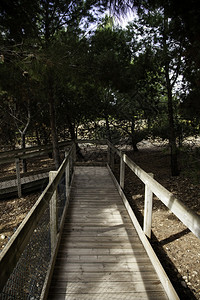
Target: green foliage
160,129
114,74
110,56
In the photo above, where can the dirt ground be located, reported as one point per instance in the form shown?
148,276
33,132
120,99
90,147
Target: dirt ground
177,248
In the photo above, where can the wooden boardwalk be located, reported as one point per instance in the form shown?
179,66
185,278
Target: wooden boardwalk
101,256
9,187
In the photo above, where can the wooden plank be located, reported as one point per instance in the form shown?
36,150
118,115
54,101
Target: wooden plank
98,211
110,296
99,228
91,205
94,210
102,267
100,220
113,233
97,203
64,257
100,217
103,251
101,239
85,196
106,287
98,245
104,276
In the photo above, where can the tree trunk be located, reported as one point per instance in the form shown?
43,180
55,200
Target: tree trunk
172,132
108,129
23,146
38,137
23,137
74,137
54,136
134,141
172,136
169,86
71,130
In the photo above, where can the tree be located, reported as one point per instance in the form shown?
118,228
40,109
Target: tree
110,60
155,31
38,25
140,101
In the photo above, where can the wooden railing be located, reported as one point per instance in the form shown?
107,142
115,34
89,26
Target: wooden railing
11,253
189,218
9,156
18,155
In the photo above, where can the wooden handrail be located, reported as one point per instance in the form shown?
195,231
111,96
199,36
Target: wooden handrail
10,156
16,245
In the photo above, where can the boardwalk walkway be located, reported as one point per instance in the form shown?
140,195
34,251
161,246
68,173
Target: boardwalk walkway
100,255
31,182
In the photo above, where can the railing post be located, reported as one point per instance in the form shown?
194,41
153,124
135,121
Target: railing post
67,176
122,170
108,153
53,213
19,184
112,163
148,205
73,158
74,152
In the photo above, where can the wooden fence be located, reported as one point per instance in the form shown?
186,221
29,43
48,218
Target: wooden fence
18,155
9,156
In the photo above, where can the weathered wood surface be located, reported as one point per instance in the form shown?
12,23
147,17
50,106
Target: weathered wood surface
101,255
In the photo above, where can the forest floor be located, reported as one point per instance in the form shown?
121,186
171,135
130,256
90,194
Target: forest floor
177,248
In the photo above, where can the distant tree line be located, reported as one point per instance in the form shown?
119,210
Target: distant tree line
65,66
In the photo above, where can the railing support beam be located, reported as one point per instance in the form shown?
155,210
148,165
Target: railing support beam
53,212
148,206
112,163
108,154
122,170
67,176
